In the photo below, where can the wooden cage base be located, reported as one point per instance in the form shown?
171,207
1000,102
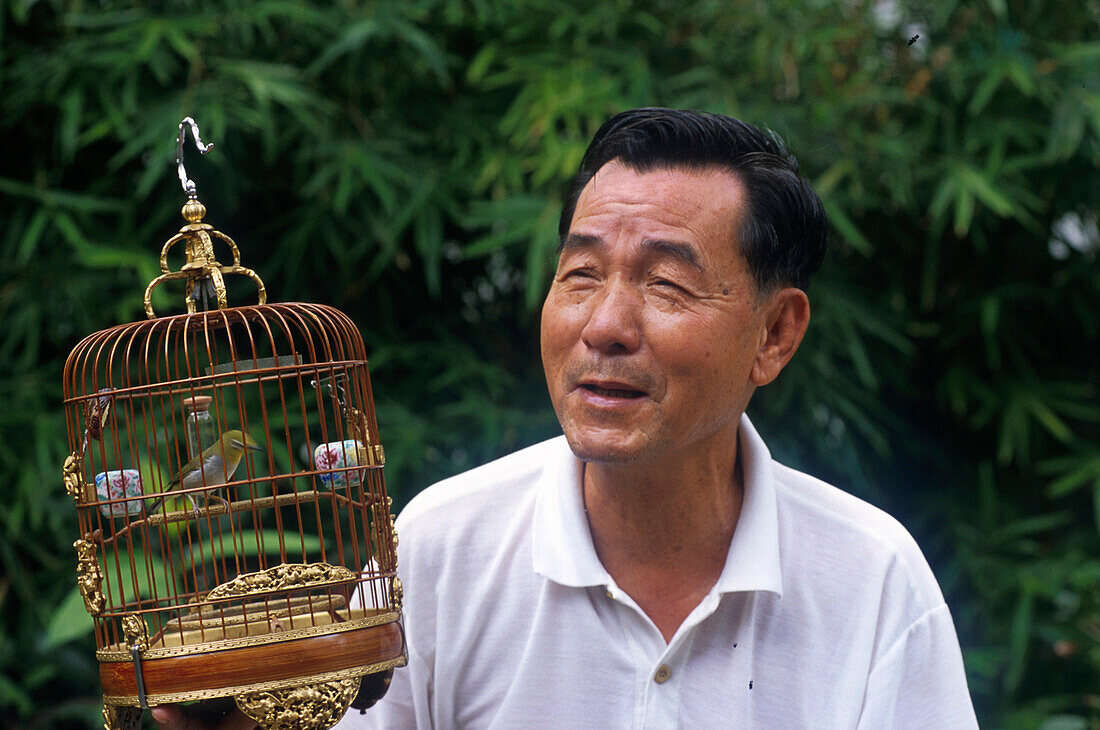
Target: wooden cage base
250,664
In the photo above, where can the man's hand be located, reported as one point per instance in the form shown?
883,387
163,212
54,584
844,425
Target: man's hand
202,717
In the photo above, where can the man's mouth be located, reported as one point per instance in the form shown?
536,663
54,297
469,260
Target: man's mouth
613,390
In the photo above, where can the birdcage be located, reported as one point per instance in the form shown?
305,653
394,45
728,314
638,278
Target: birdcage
236,539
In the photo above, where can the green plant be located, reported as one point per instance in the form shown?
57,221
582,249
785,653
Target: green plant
404,160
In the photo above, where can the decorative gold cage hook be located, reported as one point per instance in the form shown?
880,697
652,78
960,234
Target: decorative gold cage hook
203,272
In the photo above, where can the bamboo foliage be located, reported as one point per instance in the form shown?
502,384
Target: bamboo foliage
404,160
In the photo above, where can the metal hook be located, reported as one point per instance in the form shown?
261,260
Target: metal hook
188,184
335,385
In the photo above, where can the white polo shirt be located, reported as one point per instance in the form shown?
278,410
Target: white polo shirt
826,614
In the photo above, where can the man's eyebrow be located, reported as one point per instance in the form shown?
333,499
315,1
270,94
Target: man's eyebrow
579,240
682,252
674,249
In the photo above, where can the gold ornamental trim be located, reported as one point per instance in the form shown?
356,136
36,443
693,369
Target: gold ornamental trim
71,476
135,631
121,717
288,576
383,522
397,593
209,694
202,272
108,655
309,707
88,578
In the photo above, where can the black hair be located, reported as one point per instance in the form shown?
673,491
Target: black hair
784,232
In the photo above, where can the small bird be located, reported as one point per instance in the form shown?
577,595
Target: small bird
214,467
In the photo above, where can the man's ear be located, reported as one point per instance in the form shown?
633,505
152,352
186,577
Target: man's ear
786,318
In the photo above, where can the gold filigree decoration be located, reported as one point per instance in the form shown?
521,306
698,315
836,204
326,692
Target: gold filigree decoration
312,707
379,518
397,593
202,269
70,475
121,717
88,577
135,631
289,576
357,421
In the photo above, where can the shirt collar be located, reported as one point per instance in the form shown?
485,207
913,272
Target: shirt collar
563,548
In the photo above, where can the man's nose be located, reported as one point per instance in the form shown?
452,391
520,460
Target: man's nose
613,323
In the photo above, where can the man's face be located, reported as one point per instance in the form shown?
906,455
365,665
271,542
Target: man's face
651,328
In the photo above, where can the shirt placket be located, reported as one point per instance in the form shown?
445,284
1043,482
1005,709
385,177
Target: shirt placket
658,667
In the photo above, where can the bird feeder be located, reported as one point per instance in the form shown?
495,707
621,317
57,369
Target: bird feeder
236,539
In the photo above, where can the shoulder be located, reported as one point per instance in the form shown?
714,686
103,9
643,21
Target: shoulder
475,501
850,538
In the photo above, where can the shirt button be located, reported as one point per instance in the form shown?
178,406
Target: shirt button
663,674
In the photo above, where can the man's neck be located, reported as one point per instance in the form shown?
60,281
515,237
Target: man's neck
663,530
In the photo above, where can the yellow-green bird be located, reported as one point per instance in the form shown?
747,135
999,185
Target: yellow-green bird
213,467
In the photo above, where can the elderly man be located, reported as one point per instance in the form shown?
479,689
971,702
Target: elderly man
653,567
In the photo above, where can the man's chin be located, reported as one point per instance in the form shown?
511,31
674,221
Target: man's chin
610,449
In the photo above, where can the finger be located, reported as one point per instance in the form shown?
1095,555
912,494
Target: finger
176,717
171,717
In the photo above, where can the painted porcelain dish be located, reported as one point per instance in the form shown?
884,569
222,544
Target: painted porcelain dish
338,456
119,484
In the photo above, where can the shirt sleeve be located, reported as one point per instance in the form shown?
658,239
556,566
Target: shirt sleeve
920,682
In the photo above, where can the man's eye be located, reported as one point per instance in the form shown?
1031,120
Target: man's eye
579,273
666,284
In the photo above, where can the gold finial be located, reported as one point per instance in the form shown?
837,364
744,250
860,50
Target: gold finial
203,272
193,210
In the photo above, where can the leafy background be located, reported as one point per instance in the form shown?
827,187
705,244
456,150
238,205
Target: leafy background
404,160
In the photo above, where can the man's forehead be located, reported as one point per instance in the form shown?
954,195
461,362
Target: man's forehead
674,204
682,191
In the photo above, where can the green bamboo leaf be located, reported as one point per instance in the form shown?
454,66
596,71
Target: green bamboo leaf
1031,526
1065,722
977,183
941,199
1049,420
1019,641
480,63
964,213
847,228
62,199
993,78
69,621
353,38
1080,472
28,242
